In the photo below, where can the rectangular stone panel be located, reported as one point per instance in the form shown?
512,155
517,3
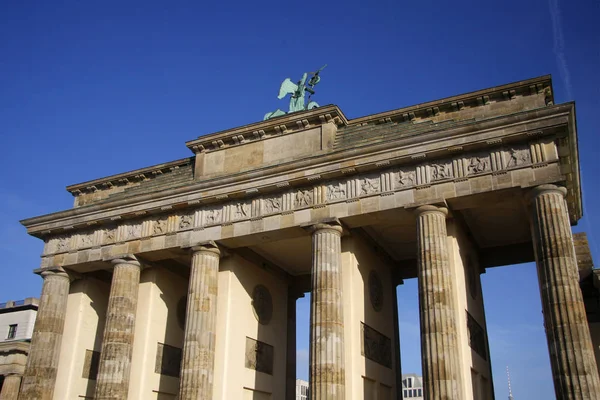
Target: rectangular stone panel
259,356
90,364
476,336
375,346
168,360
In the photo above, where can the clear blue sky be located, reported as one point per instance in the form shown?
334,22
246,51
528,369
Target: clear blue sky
88,89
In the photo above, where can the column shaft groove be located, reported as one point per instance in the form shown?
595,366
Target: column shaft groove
439,336
39,378
327,372
112,381
197,367
572,357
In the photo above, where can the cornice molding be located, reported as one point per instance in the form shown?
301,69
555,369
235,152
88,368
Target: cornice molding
286,124
477,98
326,167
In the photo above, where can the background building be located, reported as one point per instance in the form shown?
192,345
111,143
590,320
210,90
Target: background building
412,386
16,328
301,389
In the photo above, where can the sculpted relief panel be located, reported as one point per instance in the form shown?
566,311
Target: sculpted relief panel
349,188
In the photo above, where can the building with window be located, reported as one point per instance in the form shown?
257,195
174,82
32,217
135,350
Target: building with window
301,389
16,328
412,386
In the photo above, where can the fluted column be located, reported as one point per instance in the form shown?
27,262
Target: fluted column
112,381
439,336
10,388
571,351
39,378
198,363
326,315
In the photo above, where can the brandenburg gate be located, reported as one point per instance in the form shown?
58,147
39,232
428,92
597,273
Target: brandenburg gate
180,280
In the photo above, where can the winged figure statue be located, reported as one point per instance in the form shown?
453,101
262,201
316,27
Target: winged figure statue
298,93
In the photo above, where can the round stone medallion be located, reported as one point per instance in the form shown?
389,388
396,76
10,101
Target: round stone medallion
375,291
262,304
181,310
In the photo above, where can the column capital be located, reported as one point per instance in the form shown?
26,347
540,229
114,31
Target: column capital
331,224
430,208
546,189
205,247
126,259
57,271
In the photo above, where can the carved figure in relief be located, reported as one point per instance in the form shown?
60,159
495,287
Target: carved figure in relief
440,171
109,234
213,216
241,211
407,178
86,240
304,198
133,231
272,204
336,191
160,226
477,165
62,245
518,157
185,222
368,186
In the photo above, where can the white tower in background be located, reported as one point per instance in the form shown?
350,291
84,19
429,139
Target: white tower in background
510,396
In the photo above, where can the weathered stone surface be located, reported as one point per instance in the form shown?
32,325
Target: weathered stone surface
117,344
197,367
10,388
40,373
571,352
327,318
439,336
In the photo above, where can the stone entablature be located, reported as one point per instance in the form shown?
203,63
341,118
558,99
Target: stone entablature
522,159
254,138
351,193
464,106
100,189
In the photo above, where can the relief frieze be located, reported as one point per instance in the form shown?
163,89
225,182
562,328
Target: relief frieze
303,198
160,226
185,221
336,191
441,171
240,211
348,189
478,164
407,178
212,216
259,356
517,157
272,205
370,185
376,346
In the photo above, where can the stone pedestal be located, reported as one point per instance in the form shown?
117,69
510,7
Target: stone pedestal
10,388
326,315
39,378
569,342
197,366
439,336
112,381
